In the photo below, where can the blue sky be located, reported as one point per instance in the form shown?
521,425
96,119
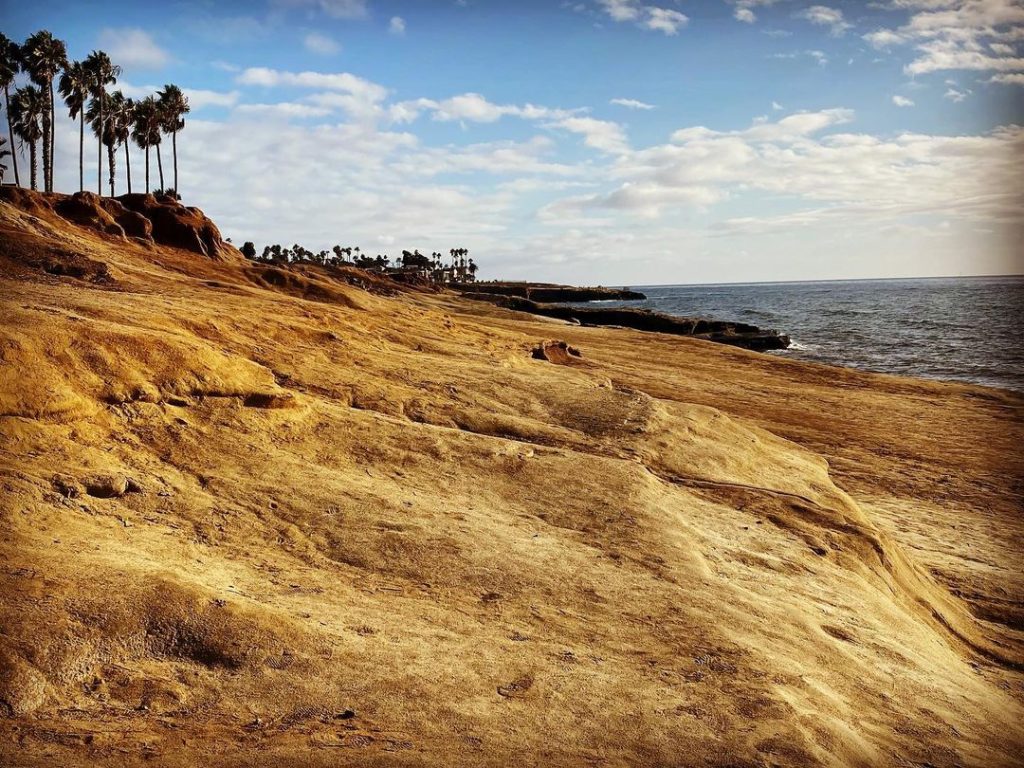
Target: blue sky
610,141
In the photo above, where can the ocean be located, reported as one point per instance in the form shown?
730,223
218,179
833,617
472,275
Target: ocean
957,329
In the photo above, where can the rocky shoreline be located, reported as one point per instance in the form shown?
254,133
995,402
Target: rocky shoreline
549,292
720,331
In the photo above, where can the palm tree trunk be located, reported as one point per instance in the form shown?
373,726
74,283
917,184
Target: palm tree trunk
110,160
147,169
46,150
128,167
10,133
99,153
53,133
160,166
81,148
174,147
32,162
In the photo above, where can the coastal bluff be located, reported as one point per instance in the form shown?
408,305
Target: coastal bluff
257,516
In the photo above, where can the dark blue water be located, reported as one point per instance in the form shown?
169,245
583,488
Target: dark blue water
959,329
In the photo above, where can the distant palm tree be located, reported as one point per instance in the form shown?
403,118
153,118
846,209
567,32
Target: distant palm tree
10,64
146,130
173,107
27,109
43,56
74,89
102,72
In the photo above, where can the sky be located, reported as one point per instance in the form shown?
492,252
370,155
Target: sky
615,142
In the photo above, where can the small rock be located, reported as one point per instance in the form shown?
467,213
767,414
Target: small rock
516,688
66,486
107,486
557,352
346,714
133,486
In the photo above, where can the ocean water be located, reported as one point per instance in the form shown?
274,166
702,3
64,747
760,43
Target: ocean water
957,329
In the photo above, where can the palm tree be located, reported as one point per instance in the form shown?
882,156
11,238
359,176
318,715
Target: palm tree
173,108
122,115
10,63
43,56
3,153
27,109
114,129
156,140
146,130
102,72
74,89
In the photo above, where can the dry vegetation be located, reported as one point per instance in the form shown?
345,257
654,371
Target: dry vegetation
252,521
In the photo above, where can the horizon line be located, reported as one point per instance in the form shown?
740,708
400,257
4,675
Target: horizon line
817,280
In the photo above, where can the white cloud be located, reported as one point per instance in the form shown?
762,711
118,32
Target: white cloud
824,16
961,34
397,25
956,96
475,108
338,9
133,48
320,44
1015,78
198,98
621,10
776,106
902,101
341,81
631,104
472,107
884,177
603,135
945,54
665,20
283,109
884,38
818,56
744,10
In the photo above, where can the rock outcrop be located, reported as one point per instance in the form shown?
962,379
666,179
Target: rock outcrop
550,291
723,332
142,217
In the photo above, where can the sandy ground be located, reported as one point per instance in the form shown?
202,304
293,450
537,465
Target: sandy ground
370,530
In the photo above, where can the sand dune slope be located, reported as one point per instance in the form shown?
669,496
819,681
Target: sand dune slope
261,520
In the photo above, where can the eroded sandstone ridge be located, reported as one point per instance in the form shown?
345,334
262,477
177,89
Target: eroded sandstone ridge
255,519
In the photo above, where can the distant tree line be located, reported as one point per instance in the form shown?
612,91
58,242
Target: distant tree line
432,267
114,119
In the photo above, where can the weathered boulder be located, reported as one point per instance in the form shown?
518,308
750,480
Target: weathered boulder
557,352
